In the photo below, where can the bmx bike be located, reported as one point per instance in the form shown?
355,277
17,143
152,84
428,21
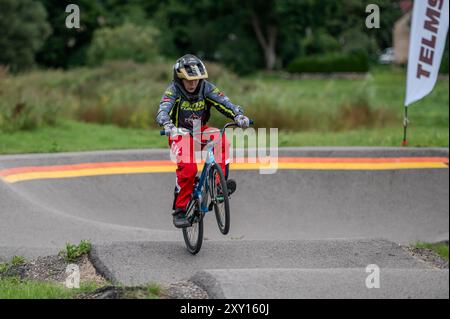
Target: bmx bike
210,185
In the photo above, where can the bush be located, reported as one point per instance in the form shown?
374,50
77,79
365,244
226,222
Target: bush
354,40
330,63
126,42
318,42
240,55
25,108
359,113
73,252
4,267
120,92
24,30
18,260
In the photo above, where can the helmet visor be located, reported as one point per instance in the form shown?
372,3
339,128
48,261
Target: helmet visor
192,71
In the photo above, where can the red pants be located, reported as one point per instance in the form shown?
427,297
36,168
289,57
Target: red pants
183,148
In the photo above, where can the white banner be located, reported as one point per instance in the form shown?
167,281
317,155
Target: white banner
429,29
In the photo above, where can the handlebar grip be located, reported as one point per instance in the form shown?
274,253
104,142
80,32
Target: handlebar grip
162,132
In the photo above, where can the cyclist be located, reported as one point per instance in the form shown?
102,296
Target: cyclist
188,100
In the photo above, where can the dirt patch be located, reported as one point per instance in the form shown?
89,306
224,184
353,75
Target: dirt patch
89,273
429,256
183,290
113,292
178,290
53,268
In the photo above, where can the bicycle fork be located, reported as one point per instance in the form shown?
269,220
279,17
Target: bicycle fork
201,191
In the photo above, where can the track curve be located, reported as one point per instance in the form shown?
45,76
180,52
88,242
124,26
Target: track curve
295,206
400,205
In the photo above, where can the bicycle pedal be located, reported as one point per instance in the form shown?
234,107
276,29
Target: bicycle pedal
210,206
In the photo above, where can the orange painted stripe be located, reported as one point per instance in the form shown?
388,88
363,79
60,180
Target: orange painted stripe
53,168
120,168
167,169
316,160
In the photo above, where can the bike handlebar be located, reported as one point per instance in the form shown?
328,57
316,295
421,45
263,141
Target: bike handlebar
163,132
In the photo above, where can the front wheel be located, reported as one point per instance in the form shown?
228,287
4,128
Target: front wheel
219,198
193,235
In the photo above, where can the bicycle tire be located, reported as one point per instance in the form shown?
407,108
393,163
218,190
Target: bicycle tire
223,222
194,246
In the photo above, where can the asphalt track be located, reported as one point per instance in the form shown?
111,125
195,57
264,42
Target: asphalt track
294,230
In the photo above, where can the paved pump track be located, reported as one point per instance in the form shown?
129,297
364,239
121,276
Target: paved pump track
307,231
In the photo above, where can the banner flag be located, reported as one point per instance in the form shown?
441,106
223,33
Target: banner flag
429,29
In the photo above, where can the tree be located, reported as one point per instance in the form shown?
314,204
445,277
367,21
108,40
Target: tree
266,26
24,30
67,47
244,35
126,42
266,22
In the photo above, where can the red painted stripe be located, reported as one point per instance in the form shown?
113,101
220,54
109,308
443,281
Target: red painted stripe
28,169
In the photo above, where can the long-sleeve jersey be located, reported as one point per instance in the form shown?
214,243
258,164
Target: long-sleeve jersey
182,111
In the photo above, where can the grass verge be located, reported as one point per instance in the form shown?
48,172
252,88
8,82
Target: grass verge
15,261
71,136
440,248
150,291
15,288
17,282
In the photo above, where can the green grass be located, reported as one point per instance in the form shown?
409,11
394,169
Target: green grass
149,291
417,137
73,252
74,136
14,288
316,103
440,248
4,267
17,260
153,291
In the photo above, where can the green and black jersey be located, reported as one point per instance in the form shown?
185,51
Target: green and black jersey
183,110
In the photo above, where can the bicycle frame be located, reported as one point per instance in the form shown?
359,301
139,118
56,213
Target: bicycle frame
203,181
197,194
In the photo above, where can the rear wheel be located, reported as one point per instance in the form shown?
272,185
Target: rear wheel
193,235
219,198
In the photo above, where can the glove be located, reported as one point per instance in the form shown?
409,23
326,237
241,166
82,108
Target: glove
169,128
242,121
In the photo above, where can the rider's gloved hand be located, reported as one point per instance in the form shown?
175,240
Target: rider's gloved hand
169,128
242,121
